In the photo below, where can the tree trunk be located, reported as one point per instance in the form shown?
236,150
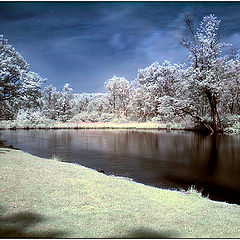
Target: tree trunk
213,105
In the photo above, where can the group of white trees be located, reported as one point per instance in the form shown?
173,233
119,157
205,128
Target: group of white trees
57,105
207,89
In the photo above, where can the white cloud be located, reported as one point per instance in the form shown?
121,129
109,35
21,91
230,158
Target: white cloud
160,45
117,41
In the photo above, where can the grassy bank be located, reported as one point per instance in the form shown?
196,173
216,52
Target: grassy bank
47,198
96,125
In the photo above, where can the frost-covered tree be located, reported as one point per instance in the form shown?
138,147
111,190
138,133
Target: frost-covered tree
149,87
142,103
79,103
19,87
118,94
90,107
156,82
159,77
49,102
32,117
64,109
230,101
207,72
98,103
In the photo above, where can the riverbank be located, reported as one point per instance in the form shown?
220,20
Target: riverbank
54,125
13,125
45,198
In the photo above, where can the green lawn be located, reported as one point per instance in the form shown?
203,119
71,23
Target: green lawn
46,198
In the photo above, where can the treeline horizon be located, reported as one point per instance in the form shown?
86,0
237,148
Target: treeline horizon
205,91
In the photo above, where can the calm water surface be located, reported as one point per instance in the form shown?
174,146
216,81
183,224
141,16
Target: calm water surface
173,160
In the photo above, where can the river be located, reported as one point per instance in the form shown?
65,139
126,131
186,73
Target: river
172,160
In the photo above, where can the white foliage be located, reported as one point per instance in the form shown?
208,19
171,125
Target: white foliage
32,117
119,90
64,109
209,71
49,102
208,90
19,87
156,82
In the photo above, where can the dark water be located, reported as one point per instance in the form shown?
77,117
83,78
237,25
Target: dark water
175,160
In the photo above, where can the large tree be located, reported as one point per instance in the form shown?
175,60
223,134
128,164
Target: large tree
208,71
19,87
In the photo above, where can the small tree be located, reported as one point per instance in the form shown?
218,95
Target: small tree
49,102
64,107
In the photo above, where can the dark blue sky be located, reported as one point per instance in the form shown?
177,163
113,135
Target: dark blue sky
86,43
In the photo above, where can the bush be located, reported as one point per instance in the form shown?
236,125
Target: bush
85,117
107,117
32,118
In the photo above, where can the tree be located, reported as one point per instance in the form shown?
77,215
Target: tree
49,102
79,103
64,106
142,103
155,83
230,101
118,94
19,87
207,72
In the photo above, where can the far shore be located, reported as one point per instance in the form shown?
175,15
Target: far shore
8,125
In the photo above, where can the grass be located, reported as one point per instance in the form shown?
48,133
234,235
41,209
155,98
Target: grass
56,158
97,125
44,198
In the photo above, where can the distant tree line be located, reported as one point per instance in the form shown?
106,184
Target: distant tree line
205,91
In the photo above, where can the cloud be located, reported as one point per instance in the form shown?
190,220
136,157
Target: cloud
159,46
86,43
117,41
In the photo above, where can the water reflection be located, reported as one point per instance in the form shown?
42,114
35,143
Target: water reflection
167,160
